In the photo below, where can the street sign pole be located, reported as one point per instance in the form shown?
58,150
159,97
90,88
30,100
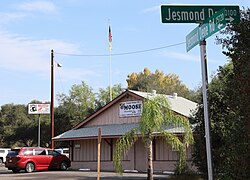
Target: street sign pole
39,130
205,107
211,19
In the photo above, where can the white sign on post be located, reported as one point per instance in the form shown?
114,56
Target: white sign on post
39,109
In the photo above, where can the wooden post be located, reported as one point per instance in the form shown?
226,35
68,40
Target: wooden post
52,99
99,154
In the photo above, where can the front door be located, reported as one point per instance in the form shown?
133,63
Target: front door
140,156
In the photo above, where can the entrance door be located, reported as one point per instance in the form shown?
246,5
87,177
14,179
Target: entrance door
140,156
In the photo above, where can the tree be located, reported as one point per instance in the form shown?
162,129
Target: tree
162,83
20,129
237,43
103,95
229,96
155,116
14,116
78,105
222,118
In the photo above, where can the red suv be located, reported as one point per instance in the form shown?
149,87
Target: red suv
35,158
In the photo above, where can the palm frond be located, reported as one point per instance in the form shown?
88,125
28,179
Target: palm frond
156,118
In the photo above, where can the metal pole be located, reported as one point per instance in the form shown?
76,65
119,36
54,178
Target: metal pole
110,72
38,130
205,106
52,99
110,78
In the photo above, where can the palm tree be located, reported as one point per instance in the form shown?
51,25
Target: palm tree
156,116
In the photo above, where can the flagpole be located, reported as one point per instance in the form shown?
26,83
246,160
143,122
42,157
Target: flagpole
110,71
110,78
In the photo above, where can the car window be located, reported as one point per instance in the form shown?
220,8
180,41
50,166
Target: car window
13,152
53,153
28,152
2,151
39,151
43,152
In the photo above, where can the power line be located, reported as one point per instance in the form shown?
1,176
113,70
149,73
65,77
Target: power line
121,54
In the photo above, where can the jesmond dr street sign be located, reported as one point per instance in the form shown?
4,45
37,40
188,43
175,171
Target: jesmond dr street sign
197,13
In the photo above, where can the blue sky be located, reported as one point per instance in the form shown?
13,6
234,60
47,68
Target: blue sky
29,29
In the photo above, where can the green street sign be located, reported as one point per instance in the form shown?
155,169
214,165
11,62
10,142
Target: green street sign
192,39
215,24
197,13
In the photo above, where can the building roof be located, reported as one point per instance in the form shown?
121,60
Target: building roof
90,132
178,104
112,130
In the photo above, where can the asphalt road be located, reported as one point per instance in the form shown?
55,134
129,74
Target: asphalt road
5,174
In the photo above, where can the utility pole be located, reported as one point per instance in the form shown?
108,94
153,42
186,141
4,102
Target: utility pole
52,99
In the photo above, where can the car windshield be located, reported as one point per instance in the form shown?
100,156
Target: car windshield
13,152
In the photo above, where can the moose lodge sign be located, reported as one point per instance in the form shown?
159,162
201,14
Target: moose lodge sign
130,108
39,109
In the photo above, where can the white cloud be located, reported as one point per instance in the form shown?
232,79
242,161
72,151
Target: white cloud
22,54
67,74
25,9
9,17
38,6
187,57
183,56
154,9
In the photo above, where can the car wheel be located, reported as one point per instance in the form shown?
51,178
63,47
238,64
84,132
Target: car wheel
15,170
30,167
63,166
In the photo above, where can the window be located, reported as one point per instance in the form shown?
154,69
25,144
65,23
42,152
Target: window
43,152
38,151
53,153
13,152
28,152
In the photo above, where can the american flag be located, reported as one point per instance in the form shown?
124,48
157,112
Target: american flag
110,38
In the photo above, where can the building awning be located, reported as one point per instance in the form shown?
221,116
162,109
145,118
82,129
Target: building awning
92,132
107,131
